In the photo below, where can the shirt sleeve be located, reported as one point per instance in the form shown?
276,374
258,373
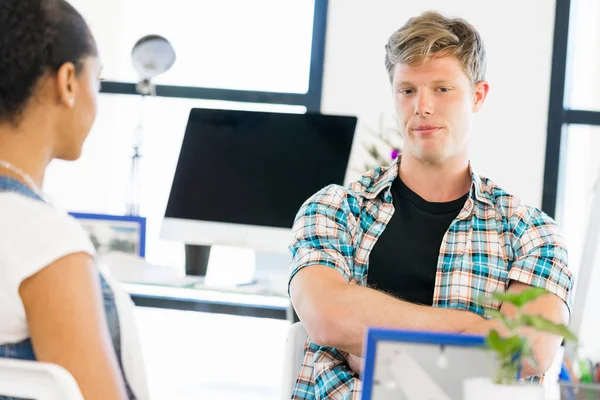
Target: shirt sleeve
334,379
541,257
39,235
323,233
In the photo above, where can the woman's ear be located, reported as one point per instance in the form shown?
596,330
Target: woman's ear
66,84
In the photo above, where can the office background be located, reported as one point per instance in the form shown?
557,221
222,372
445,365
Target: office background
257,55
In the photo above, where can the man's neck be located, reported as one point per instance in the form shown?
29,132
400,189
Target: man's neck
436,183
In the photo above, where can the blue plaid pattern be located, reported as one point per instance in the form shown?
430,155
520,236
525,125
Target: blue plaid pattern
494,239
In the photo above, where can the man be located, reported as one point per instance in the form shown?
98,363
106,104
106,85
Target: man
415,245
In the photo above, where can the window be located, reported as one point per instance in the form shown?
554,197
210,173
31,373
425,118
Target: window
261,45
574,84
572,165
583,80
264,51
579,184
580,175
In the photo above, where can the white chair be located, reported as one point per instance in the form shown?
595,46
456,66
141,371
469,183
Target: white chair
37,380
293,357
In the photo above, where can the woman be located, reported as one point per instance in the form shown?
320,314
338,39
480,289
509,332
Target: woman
56,306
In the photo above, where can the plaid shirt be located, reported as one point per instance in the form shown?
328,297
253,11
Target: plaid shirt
494,239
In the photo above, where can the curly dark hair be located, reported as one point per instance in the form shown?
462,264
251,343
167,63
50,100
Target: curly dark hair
37,36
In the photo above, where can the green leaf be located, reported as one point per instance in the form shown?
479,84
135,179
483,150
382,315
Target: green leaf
542,324
531,294
496,314
510,324
494,341
505,297
373,152
506,348
520,299
515,344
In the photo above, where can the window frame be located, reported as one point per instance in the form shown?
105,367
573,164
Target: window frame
559,119
559,116
311,99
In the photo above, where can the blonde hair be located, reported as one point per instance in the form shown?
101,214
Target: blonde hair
430,35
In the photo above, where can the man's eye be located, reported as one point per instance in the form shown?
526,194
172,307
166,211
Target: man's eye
444,89
406,91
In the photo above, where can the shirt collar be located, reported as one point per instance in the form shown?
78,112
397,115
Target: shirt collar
479,191
379,181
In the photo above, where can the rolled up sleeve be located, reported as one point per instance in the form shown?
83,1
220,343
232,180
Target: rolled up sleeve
322,233
541,257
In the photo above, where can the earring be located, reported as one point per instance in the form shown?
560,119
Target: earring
71,102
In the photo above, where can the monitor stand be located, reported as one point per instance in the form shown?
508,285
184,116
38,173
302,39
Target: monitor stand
196,259
242,267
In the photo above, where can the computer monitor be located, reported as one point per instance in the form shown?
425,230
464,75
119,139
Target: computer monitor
410,365
242,176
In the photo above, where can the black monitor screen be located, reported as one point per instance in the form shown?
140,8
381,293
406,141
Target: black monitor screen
257,168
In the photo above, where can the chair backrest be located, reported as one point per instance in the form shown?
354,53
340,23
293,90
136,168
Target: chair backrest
293,357
37,380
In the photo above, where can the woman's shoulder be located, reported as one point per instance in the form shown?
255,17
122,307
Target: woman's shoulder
18,211
35,233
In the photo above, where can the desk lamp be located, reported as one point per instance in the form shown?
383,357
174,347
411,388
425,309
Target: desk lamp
151,56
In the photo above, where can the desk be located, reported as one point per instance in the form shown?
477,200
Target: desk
210,300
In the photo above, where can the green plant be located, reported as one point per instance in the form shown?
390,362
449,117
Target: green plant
514,348
386,145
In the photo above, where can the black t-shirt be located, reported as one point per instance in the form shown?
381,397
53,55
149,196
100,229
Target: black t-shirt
404,260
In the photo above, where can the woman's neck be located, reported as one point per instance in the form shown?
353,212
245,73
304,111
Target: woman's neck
26,152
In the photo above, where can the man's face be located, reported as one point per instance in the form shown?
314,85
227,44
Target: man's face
435,102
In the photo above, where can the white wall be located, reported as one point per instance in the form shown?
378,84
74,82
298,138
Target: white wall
509,136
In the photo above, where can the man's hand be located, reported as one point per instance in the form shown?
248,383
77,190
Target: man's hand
544,344
355,363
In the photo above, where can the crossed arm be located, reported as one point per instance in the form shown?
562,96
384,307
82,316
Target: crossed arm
337,314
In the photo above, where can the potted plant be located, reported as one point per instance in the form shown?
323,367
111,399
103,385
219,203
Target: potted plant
512,350
386,145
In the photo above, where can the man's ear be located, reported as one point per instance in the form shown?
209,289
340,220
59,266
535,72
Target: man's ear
481,90
66,84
